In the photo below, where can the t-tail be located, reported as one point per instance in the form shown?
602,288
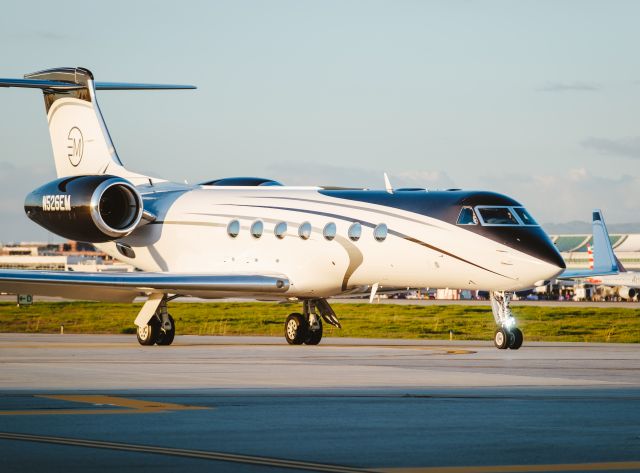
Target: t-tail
79,136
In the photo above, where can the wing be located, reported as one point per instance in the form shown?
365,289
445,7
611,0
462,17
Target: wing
604,260
125,287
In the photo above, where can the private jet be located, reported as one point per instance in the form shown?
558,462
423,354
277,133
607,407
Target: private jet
254,237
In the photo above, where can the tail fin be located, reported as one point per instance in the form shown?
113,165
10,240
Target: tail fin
79,137
604,260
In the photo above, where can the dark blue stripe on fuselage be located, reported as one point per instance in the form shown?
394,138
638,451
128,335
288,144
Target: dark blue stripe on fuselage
446,205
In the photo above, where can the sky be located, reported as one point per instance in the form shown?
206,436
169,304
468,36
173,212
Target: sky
536,99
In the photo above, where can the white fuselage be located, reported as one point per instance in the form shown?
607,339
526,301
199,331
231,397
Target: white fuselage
190,235
625,279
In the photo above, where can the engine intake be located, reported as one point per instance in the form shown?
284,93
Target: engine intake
86,208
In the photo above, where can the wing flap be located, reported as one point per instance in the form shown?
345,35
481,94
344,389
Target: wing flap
124,287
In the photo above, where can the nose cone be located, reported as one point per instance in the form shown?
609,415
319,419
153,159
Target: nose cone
535,243
532,241
550,254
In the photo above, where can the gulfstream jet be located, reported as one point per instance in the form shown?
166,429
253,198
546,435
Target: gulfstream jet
254,237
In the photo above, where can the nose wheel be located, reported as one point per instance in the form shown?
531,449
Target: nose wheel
507,335
504,338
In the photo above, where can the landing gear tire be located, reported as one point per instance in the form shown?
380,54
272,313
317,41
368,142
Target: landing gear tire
501,338
314,336
517,339
148,334
165,337
296,329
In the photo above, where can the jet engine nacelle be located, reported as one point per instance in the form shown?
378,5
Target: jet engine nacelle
627,292
86,208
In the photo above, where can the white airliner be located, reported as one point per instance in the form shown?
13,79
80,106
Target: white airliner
256,238
626,283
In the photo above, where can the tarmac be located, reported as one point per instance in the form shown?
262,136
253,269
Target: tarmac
104,403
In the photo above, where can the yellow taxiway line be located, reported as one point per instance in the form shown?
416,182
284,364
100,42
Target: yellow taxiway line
131,406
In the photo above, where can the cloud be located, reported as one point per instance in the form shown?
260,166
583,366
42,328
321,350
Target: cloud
569,87
572,195
313,174
625,147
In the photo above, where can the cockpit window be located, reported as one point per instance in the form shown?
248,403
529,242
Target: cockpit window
497,216
526,218
467,217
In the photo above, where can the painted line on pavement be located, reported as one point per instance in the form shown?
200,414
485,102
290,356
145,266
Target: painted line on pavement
178,452
131,406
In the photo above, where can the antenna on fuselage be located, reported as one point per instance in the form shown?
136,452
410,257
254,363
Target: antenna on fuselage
387,184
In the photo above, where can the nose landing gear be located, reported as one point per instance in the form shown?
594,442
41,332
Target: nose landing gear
507,335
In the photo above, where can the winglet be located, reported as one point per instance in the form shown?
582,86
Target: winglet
387,184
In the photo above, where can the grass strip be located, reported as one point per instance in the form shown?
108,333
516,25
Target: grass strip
570,324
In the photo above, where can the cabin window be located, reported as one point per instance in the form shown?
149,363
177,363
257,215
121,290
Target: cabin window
256,229
497,216
329,231
304,231
355,231
380,232
525,216
467,217
233,229
280,230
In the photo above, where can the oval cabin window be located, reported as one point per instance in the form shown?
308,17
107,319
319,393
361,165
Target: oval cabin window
256,229
380,232
281,230
329,231
305,231
233,229
355,231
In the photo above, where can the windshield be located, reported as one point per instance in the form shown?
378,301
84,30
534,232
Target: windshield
504,216
526,218
497,216
467,217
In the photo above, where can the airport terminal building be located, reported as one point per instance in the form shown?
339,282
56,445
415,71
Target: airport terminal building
575,249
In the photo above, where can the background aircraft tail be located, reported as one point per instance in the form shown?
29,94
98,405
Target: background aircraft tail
79,136
604,260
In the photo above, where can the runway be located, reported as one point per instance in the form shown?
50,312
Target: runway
102,402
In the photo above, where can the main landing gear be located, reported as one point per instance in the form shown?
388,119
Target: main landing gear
307,327
507,335
160,329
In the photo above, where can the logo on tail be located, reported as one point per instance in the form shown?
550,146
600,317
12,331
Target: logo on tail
75,146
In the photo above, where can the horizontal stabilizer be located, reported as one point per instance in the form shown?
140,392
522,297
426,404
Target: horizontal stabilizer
39,84
133,86
61,85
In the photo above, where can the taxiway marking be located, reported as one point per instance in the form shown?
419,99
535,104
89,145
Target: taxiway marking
310,466
131,406
179,452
